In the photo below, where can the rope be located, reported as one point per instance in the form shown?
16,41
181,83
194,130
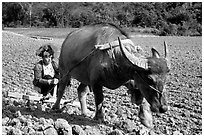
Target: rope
148,84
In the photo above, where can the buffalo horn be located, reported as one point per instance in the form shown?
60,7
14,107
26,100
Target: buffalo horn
137,61
166,49
166,53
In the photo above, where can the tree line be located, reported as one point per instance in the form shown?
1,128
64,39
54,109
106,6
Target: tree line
164,18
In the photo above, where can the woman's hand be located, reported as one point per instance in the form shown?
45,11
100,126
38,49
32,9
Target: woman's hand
53,81
49,81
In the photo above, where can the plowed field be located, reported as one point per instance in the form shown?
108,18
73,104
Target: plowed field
184,86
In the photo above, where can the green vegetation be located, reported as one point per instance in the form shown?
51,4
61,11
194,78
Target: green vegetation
160,18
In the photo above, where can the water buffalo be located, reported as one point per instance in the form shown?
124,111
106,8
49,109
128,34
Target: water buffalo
103,55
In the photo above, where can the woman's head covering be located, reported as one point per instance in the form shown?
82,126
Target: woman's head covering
45,50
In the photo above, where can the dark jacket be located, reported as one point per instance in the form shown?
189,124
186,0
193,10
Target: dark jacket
39,79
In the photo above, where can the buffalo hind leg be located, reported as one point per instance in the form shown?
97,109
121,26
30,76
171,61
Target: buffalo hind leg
63,82
82,93
98,95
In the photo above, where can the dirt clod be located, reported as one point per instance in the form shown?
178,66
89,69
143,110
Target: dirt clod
183,92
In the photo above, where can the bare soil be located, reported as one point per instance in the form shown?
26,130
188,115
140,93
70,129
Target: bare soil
121,117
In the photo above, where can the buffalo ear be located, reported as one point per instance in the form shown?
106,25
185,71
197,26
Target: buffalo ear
155,53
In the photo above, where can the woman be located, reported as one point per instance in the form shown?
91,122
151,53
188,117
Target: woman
46,72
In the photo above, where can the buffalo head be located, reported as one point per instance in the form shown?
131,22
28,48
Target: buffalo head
150,76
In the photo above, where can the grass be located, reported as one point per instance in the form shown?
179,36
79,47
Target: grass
45,32
63,32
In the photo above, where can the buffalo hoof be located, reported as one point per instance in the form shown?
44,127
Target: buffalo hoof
88,114
146,118
99,118
147,122
100,121
55,107
56,110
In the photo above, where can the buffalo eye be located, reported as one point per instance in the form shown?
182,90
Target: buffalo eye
152,79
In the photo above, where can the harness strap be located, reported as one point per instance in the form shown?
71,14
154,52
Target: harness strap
113,44
148,84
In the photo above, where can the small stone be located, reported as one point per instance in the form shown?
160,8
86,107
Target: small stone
113,116
167,131
25,130
62,127
31,131
15,122
177,133
92,130
5,101
108,118
18,114
129,125
5,91
16,103
172,121
116,132
29,123
4,130
28,116
5,120
69,110
15,131
50,121
22,119
38,127
77,130
152,133
187,113
119,112
32,108
50,131
143,130
39,133
35,119
47,125
124,116
42,121
44,107
21,102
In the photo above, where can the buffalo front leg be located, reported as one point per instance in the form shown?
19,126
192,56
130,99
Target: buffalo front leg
82,93
136,96
98,95
63,82
145,114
